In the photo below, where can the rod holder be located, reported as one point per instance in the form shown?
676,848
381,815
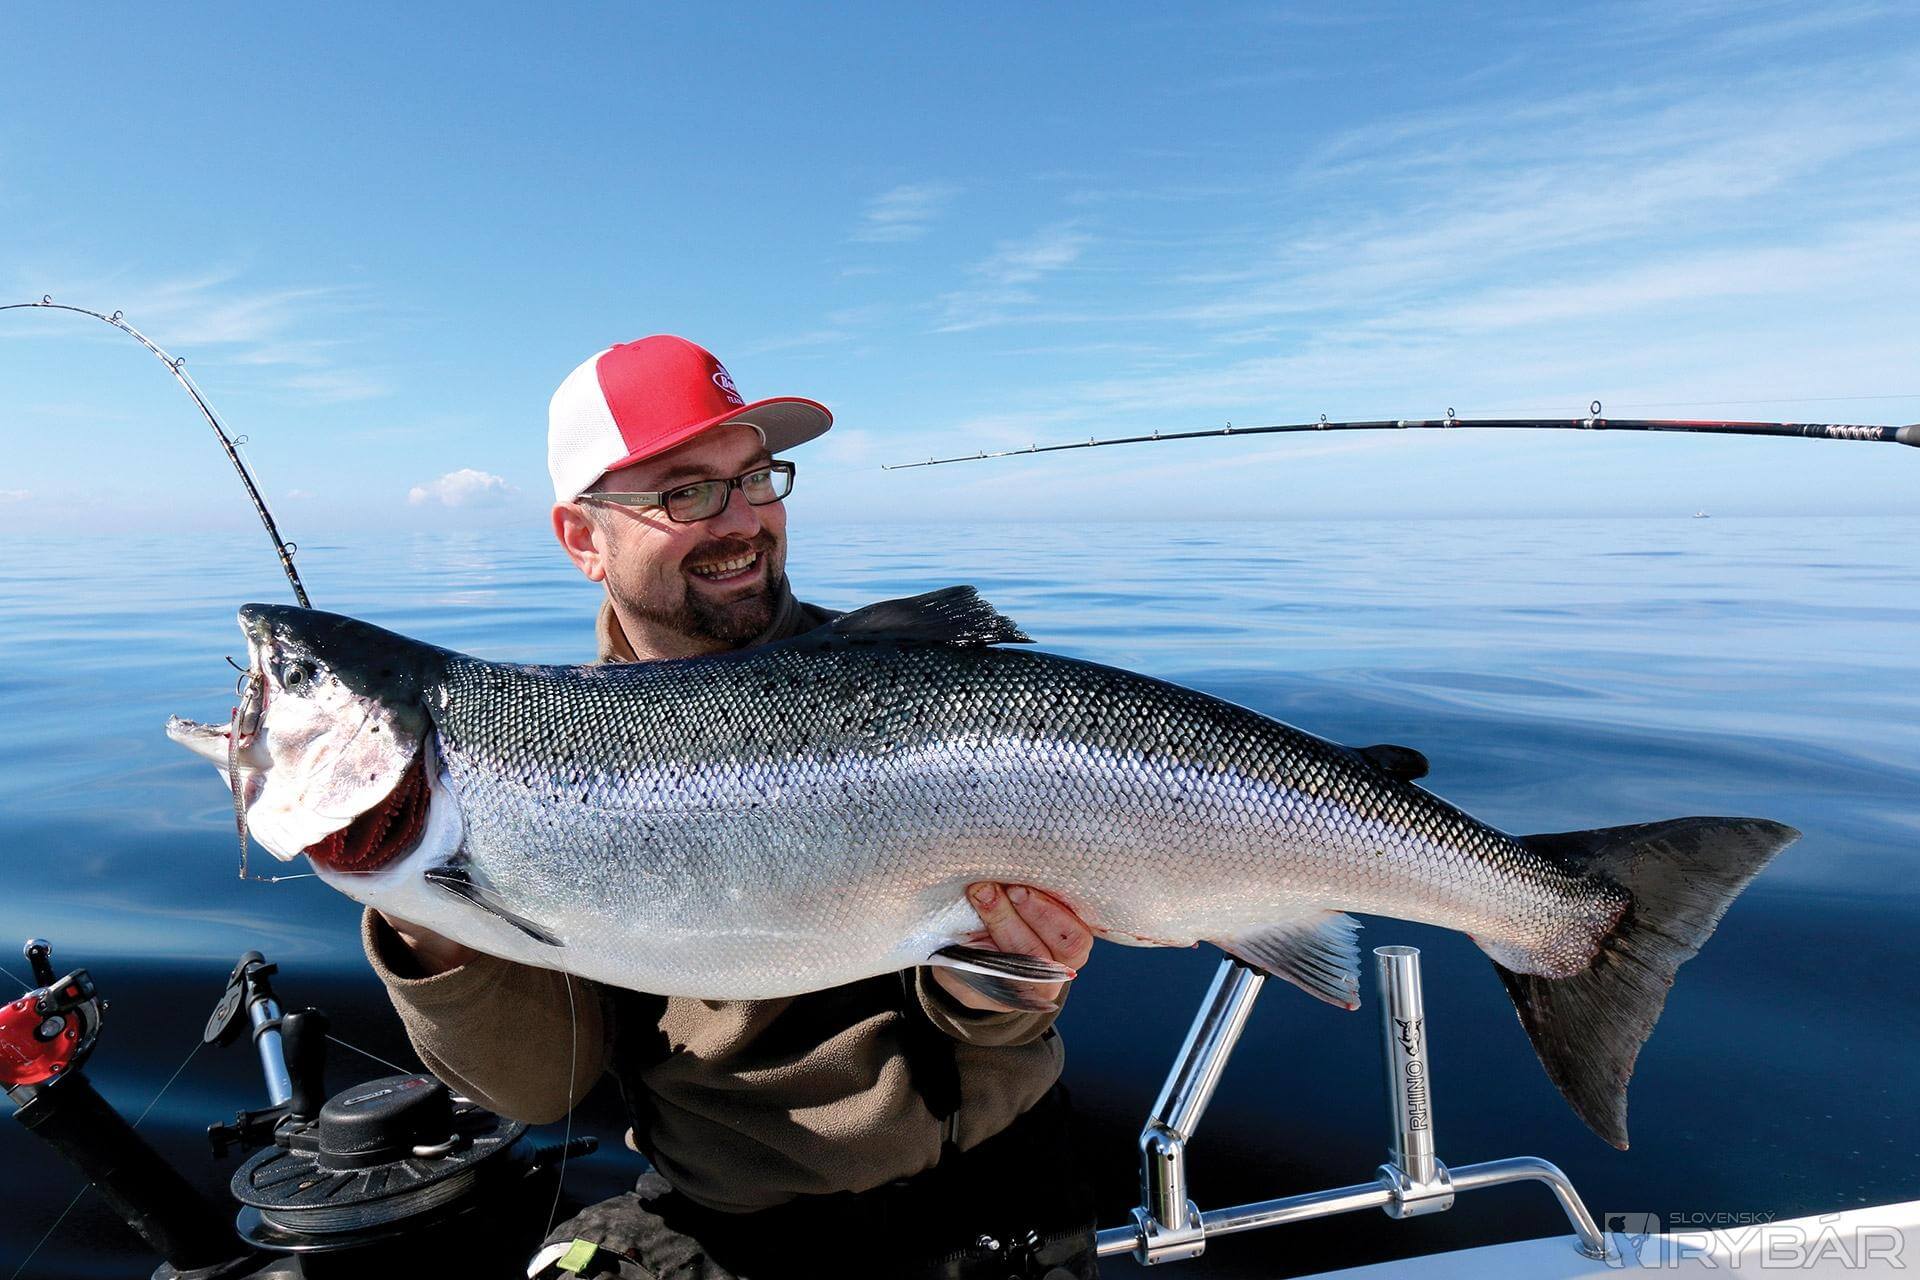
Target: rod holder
1167,1221
1413,1172
1168,1227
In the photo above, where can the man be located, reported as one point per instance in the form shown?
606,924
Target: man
901,1126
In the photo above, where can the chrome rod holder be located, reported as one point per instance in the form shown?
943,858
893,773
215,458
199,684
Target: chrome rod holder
1168,1227
1419,1182
1167,1222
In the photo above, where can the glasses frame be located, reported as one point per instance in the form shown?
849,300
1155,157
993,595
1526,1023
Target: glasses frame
660,498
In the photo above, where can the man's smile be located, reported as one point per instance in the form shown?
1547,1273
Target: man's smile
734,568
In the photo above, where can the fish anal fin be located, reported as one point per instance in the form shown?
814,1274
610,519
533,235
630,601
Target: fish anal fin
956,616
1320,954
1002,976
1403,763
465,884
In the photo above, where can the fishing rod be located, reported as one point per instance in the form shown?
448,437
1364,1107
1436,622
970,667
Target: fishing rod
176,365
246,715
1909,435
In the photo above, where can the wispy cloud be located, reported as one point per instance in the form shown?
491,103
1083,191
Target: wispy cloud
904,213
1003,279
463,488
1661,239
15,495
336,386
222,316
1024,261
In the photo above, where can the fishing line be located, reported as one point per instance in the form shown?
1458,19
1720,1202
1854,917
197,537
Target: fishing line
20,1270
573,1065
365,1053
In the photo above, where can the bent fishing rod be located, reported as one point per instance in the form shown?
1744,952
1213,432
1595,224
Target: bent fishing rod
247,714
1909,435
176,365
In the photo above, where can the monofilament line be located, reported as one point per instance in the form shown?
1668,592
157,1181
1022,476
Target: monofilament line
81,1193
566,1138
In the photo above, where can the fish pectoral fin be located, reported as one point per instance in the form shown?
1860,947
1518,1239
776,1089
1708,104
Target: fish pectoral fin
951,616
1001,976
464,884
1403,763
1319,954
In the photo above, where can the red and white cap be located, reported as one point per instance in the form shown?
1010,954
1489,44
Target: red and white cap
644,397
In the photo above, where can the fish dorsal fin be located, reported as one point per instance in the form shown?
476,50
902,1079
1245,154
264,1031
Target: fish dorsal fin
1320,954
951,616
1403,763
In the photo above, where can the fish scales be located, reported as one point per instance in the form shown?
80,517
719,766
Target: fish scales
850,794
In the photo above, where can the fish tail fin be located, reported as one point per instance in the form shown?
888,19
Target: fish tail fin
1681,877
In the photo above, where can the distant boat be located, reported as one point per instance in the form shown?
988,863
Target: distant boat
1701,515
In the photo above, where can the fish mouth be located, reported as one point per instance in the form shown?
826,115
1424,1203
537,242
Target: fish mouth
383,833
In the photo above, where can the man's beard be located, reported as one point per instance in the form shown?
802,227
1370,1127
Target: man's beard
698,618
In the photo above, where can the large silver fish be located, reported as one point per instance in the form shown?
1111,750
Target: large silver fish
807,814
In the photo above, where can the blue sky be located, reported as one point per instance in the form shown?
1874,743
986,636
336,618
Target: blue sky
381,235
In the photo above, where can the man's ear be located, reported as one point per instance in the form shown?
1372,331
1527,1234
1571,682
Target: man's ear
580,539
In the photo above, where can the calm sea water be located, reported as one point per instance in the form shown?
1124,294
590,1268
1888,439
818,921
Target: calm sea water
1558,675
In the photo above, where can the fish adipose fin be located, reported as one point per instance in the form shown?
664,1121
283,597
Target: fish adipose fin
1403,763
1002,976
1320,955
462,883
1682,874
952,616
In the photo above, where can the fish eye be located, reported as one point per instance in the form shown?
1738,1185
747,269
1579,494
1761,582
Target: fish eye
295,675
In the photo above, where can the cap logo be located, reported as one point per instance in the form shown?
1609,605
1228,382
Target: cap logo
724,380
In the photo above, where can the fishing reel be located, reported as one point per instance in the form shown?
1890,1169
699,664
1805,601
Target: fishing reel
386,1163
48,1032
393,1176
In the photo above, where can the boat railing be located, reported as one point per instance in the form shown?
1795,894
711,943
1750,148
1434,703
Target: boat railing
1168,1227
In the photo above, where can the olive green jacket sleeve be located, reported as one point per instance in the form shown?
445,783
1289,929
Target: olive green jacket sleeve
526,1042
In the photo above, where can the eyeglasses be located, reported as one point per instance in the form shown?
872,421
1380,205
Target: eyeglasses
705,499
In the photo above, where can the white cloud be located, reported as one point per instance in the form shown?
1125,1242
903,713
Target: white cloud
904,213
15,495
1005,275
463,488
1024,261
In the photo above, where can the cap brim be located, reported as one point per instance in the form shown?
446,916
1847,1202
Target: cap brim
784,421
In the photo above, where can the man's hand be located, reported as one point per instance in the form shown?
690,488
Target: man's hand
1023,921
432,952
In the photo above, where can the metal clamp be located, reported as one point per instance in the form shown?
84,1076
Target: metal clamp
1168,1227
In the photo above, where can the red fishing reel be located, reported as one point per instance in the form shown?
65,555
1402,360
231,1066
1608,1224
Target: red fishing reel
48,1032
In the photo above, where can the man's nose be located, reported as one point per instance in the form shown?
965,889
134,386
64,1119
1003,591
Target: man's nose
738,516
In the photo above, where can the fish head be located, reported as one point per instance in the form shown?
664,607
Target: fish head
328,745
